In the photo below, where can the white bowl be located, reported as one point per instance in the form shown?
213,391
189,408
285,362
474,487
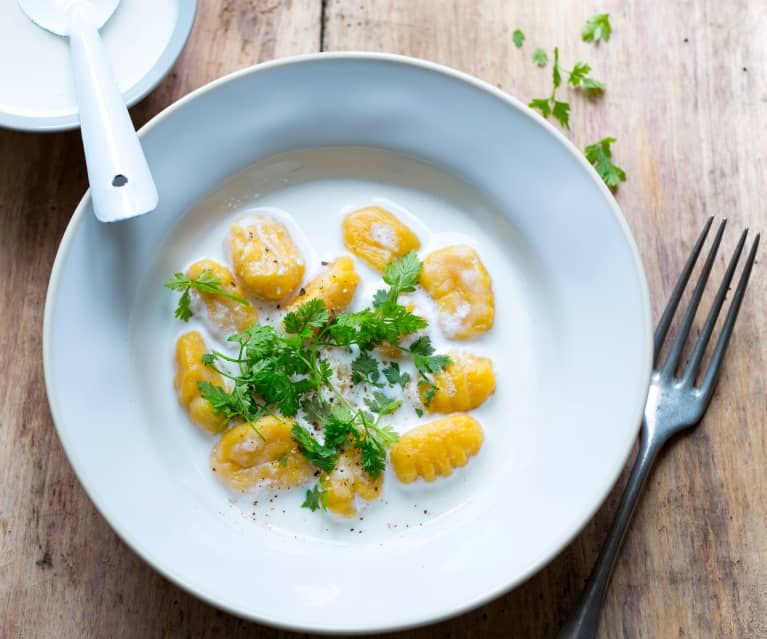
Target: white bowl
585,361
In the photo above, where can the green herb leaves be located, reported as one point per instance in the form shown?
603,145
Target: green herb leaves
597,28
518,38
205,283
288,373
600,155
540,57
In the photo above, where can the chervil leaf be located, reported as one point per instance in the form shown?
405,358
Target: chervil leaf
542,104
382,404
206,282
518,38
561,112
316,497
579,72
402,274
323,457
600,156
311,314
540,57
597,28
394,376
593,86
365,369
424,359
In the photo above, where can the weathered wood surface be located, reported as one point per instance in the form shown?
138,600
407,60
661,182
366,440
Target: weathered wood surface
687,100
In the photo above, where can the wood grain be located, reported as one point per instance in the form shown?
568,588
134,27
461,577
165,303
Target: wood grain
687,100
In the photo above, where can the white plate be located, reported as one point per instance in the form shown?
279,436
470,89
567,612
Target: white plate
143,39
575,310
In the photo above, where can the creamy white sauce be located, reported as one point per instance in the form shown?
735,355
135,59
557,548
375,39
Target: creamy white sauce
310,191
35,72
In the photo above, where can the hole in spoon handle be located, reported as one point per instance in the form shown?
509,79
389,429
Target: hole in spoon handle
119,180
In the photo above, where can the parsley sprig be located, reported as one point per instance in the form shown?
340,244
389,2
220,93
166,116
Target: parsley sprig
578,76
205,282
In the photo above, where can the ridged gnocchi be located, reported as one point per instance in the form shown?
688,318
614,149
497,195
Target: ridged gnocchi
266,260
460,284
463,385
436,448
348,482
377,236
223,315
190,348
335,286
242,459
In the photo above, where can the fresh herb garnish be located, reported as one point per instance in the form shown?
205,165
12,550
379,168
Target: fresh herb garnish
518,37
282,373
600,155
206,282
597,28
316,497
540,57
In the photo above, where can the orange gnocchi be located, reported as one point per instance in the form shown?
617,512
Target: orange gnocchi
436,448
260,454
347,483
377,236
463,385
190,370
224,315
335,286
266,259
460,284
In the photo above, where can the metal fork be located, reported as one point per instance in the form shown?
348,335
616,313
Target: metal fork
673,405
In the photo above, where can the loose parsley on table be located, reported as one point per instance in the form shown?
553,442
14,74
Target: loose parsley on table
597,28
286,373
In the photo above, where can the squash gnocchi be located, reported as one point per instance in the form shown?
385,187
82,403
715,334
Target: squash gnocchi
463,385
335,286
266,259
318,397
190,370
437,448
348,483
460,284
260,454
224,315
377,236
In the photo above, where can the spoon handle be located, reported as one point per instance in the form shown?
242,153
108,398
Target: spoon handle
120,180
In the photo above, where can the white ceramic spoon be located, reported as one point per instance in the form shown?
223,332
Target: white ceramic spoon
120,179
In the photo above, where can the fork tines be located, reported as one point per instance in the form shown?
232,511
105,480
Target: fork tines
668,367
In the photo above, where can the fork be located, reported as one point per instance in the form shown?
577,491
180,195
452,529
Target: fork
673,404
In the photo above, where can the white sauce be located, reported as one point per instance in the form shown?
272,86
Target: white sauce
310,192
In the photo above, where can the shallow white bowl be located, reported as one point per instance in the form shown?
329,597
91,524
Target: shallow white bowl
577,279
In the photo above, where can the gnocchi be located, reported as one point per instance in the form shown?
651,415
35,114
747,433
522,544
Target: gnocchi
463,385
224,315
460,284
436,448
266,259
348,482
335,286
190,370
262,453
377,236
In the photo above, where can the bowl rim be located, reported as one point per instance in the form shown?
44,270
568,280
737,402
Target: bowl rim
617,464
187,11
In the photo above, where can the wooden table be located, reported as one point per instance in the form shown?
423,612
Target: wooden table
686,98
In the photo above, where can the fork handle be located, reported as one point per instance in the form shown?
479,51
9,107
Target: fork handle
584,621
